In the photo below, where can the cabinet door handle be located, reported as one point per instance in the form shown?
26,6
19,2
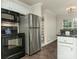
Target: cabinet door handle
71,49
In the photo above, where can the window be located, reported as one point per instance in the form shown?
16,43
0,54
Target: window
67,24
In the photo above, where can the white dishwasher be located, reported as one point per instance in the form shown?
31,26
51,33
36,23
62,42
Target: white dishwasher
66,47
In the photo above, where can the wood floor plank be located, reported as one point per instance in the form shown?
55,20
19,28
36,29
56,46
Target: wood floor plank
47,52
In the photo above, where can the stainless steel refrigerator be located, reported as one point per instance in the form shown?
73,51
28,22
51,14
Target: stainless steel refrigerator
30,25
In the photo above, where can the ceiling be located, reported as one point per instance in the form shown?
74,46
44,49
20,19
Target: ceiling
56,6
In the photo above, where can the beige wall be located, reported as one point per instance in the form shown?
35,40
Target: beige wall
49,26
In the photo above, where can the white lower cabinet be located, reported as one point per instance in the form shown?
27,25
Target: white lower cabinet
67,48
65,52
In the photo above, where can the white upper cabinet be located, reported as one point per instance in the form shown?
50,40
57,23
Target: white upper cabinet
70,23
15,6
37,9
22,8
4,4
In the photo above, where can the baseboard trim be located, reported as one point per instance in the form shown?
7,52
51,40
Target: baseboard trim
48,43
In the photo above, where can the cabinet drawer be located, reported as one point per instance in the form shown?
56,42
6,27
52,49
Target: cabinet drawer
66,39
70,40
62,39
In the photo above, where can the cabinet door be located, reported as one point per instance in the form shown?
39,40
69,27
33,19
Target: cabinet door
14,6
65,52
5,4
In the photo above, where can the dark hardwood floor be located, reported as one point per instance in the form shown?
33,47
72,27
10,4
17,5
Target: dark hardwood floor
47,52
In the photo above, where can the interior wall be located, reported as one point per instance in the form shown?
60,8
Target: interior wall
49,26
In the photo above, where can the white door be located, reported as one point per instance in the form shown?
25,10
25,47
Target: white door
65,52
